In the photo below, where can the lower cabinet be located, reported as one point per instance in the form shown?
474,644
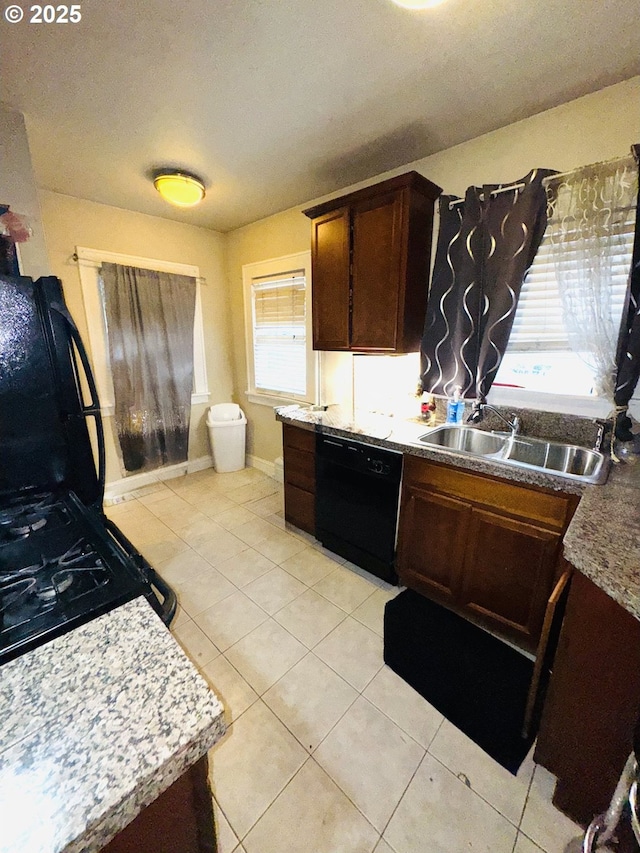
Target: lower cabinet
299,456
488,548
179,821
592,703
432,538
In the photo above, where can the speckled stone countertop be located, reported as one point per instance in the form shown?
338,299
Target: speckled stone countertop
93,727
402,435
603,539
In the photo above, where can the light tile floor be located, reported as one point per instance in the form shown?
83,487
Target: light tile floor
327,751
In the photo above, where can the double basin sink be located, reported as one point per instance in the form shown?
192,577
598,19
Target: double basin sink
550,457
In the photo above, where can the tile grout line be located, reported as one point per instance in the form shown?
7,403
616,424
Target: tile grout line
401,797
311,650
284,787
395,723
311,753
526,799
476,793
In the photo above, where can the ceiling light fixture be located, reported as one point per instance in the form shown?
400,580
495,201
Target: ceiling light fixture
179,188
417,4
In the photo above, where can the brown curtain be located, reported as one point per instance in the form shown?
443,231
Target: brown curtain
149,319
486,244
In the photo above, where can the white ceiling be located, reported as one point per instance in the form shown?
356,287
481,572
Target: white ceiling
276,102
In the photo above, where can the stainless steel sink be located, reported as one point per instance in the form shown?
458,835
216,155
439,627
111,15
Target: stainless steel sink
553,456
464,439
564,460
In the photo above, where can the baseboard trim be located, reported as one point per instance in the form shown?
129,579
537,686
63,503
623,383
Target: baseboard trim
199,464
263,465
127,487
117,490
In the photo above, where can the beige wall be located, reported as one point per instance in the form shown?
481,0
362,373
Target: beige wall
18,189
283,234
70,222
596,127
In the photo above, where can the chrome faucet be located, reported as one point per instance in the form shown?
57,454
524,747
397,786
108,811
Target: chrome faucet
603,426
515,424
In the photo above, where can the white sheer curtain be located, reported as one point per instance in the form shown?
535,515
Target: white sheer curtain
591,213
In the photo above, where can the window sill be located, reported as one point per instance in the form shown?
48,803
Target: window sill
272,400
199,397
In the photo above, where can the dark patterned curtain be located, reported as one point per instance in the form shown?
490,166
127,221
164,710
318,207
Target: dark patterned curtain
628,356
486,244
149,318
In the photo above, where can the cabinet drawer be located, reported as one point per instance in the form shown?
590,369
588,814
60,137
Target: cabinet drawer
300,469
300,508
550,509
301,439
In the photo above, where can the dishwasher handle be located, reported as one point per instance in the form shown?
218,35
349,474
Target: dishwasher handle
369,459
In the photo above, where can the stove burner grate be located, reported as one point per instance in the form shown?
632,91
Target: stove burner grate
69,576
28,524
13,592
26,517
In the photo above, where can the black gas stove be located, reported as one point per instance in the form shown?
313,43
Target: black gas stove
62,562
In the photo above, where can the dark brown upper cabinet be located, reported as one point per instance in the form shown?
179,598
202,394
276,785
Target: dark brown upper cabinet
370,259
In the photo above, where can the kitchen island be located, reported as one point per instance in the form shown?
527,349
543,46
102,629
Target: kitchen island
95,726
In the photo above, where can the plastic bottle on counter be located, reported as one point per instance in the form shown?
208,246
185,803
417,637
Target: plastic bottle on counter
455,407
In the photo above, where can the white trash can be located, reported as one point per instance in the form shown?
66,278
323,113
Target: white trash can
227,430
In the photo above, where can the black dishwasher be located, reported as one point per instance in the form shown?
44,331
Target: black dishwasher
357,494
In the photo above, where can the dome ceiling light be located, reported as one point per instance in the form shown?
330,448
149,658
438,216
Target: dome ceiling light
179,188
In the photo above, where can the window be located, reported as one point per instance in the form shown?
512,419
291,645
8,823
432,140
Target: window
539,357
280,360
89,263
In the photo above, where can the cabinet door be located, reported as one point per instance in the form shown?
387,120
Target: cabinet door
377,273
330,249
508,573
592,703
431,542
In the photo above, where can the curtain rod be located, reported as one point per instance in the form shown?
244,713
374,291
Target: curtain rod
550,178
78,260
504,189
635,153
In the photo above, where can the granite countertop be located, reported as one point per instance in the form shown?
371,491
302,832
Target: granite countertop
603,538
94,726
402,435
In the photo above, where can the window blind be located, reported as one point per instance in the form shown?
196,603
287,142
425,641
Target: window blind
539,324
279,334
